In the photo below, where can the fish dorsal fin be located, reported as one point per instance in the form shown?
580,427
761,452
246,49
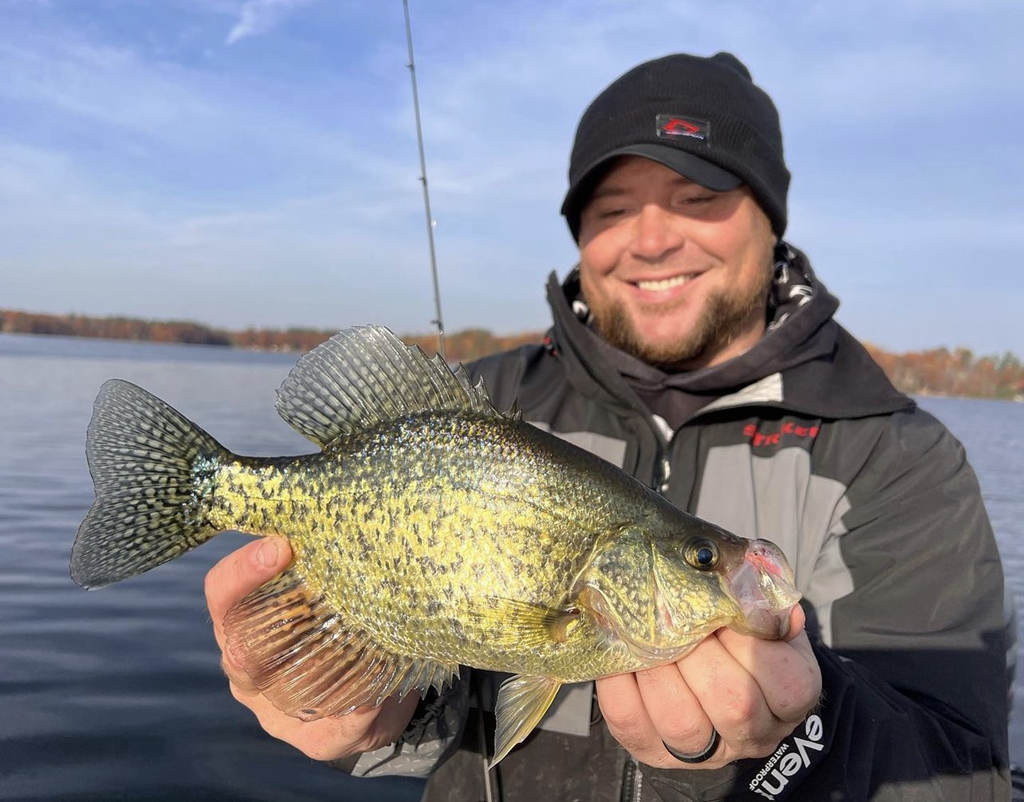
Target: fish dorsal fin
309,663
522,703
366,376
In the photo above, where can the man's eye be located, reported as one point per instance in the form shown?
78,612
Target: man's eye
698,200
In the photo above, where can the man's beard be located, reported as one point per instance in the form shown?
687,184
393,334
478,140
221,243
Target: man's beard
725,317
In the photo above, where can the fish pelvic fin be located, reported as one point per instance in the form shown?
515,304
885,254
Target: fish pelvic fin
522,703
148,464
366,376
309,663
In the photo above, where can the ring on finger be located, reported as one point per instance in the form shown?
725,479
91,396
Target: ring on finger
700,756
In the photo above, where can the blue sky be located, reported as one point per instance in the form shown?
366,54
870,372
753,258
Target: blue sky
254,163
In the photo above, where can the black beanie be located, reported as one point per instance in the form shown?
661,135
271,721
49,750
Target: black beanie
703,117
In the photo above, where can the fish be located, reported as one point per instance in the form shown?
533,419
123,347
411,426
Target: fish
430,531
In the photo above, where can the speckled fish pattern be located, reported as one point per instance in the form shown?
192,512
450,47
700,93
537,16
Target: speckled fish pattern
430,531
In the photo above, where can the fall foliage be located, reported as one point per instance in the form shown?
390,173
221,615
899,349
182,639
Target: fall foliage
938,371
462,346
959,372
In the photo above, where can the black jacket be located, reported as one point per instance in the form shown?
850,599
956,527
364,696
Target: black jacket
880,516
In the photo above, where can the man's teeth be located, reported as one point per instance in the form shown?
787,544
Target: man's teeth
663,284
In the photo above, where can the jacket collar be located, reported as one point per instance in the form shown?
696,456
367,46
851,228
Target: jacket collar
805,362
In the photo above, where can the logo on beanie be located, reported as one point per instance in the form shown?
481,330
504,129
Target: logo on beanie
669,126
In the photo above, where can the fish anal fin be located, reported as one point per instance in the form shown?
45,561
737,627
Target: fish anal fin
517,623
309,662
522,703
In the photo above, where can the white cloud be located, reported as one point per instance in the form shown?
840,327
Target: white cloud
258,17
106,84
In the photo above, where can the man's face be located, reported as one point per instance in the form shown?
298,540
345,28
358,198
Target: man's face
674,273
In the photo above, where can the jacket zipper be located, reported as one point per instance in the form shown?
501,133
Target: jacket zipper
632,782
663,437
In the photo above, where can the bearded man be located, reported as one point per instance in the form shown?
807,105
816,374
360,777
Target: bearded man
696,349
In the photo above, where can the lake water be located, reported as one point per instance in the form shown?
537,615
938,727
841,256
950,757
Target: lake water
118,694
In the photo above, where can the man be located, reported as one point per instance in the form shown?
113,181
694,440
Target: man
697,350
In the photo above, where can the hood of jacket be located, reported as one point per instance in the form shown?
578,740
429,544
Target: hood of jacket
805,362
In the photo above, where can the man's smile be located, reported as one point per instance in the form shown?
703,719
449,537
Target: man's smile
657,285
663,288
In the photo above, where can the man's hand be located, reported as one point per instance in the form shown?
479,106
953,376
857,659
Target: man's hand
753,692
364,729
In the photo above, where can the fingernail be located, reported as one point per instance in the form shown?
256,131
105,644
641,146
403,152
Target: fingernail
796,623
266,554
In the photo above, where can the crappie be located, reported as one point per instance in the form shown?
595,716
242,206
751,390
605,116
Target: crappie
430,531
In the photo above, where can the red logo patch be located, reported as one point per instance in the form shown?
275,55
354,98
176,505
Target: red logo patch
788,428
669,126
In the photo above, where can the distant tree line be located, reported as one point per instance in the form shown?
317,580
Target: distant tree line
461,346
959,372
111,328
470,344
938,371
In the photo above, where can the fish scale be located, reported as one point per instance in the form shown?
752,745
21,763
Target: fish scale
430,531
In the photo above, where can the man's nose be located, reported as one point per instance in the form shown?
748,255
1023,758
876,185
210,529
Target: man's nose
656,233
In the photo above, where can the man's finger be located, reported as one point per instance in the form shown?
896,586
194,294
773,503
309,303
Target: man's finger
797,622
622,706
629,721
240,573
238,679
786,672
677,715
729,695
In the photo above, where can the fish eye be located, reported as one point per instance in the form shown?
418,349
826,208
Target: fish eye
702,555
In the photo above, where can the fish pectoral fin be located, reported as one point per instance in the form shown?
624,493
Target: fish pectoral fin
510,622
522,703
366,376
309,663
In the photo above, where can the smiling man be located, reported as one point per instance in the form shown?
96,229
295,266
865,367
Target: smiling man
693,347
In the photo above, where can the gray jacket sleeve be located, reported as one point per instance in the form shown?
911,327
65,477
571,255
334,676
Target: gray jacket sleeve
914,658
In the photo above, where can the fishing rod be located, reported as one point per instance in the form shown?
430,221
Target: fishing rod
438,320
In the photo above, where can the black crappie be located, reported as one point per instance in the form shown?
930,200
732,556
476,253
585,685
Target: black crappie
431,531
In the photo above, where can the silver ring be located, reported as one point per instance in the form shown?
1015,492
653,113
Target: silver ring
701,756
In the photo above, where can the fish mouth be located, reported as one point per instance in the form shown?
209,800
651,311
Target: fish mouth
763,587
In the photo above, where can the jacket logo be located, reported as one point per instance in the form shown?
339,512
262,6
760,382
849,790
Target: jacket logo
757,438
669,126
788,760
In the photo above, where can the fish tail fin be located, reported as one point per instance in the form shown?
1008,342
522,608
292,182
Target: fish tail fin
148,464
